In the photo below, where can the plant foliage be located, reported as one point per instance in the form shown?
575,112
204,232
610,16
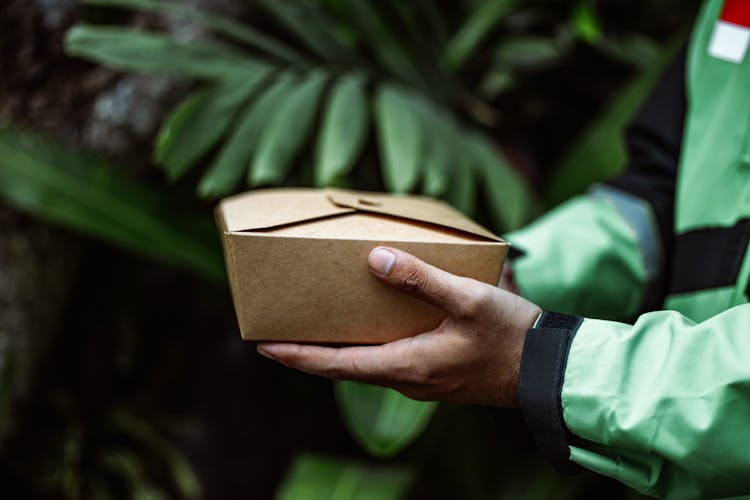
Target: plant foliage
269,103
265,101
384,421
312,477
74,189
307,92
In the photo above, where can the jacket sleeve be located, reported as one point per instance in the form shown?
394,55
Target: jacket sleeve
602,254
662,405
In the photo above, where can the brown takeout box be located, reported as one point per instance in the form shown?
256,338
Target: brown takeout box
297,261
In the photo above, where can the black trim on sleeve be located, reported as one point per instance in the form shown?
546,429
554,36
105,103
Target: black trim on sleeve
709,257
545,355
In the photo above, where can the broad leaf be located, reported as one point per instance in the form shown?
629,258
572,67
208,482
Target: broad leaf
220,24
384,421
234,157
287,130
308,25
439,131
385,45
474,30
314,477
462,192
505,191
586,23
130,50
192,129
400,139
343,131
635,49
497,81
527,52
83,193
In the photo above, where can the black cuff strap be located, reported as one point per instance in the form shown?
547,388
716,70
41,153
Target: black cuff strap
545,355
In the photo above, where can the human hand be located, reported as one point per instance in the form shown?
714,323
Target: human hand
473,356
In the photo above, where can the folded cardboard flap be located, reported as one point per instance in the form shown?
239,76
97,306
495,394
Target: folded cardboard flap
412,207
267,208
272,208
368,226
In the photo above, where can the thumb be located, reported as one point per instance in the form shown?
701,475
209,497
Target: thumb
451,293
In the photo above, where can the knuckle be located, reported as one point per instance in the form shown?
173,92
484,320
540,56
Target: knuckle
423,375
475,303
415,371
420,375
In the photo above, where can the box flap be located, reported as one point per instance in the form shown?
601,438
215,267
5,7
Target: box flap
267,208
418,208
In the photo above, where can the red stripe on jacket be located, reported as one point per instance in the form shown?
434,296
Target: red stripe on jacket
736,12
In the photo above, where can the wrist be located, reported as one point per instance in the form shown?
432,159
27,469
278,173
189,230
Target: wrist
527,314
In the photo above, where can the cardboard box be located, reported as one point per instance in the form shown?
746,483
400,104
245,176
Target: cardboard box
297,261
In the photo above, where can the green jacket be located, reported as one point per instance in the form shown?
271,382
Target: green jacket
654,392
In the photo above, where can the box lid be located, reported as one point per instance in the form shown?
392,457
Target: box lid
418,208
269,208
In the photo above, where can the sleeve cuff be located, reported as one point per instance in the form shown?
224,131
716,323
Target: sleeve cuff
545,355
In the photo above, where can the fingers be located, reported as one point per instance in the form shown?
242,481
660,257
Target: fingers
384,364
458,296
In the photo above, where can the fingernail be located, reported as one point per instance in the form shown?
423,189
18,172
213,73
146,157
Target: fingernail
381,260
263,352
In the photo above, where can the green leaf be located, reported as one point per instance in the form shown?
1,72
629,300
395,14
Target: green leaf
314,477
343,131
462,192
130,50
234,157
506,192
308,25
194,127
287,130
474,30
497,81
634,49
73,189
384,421
527,52
386,46
600,153
586,23
399,137
439,131
220,24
